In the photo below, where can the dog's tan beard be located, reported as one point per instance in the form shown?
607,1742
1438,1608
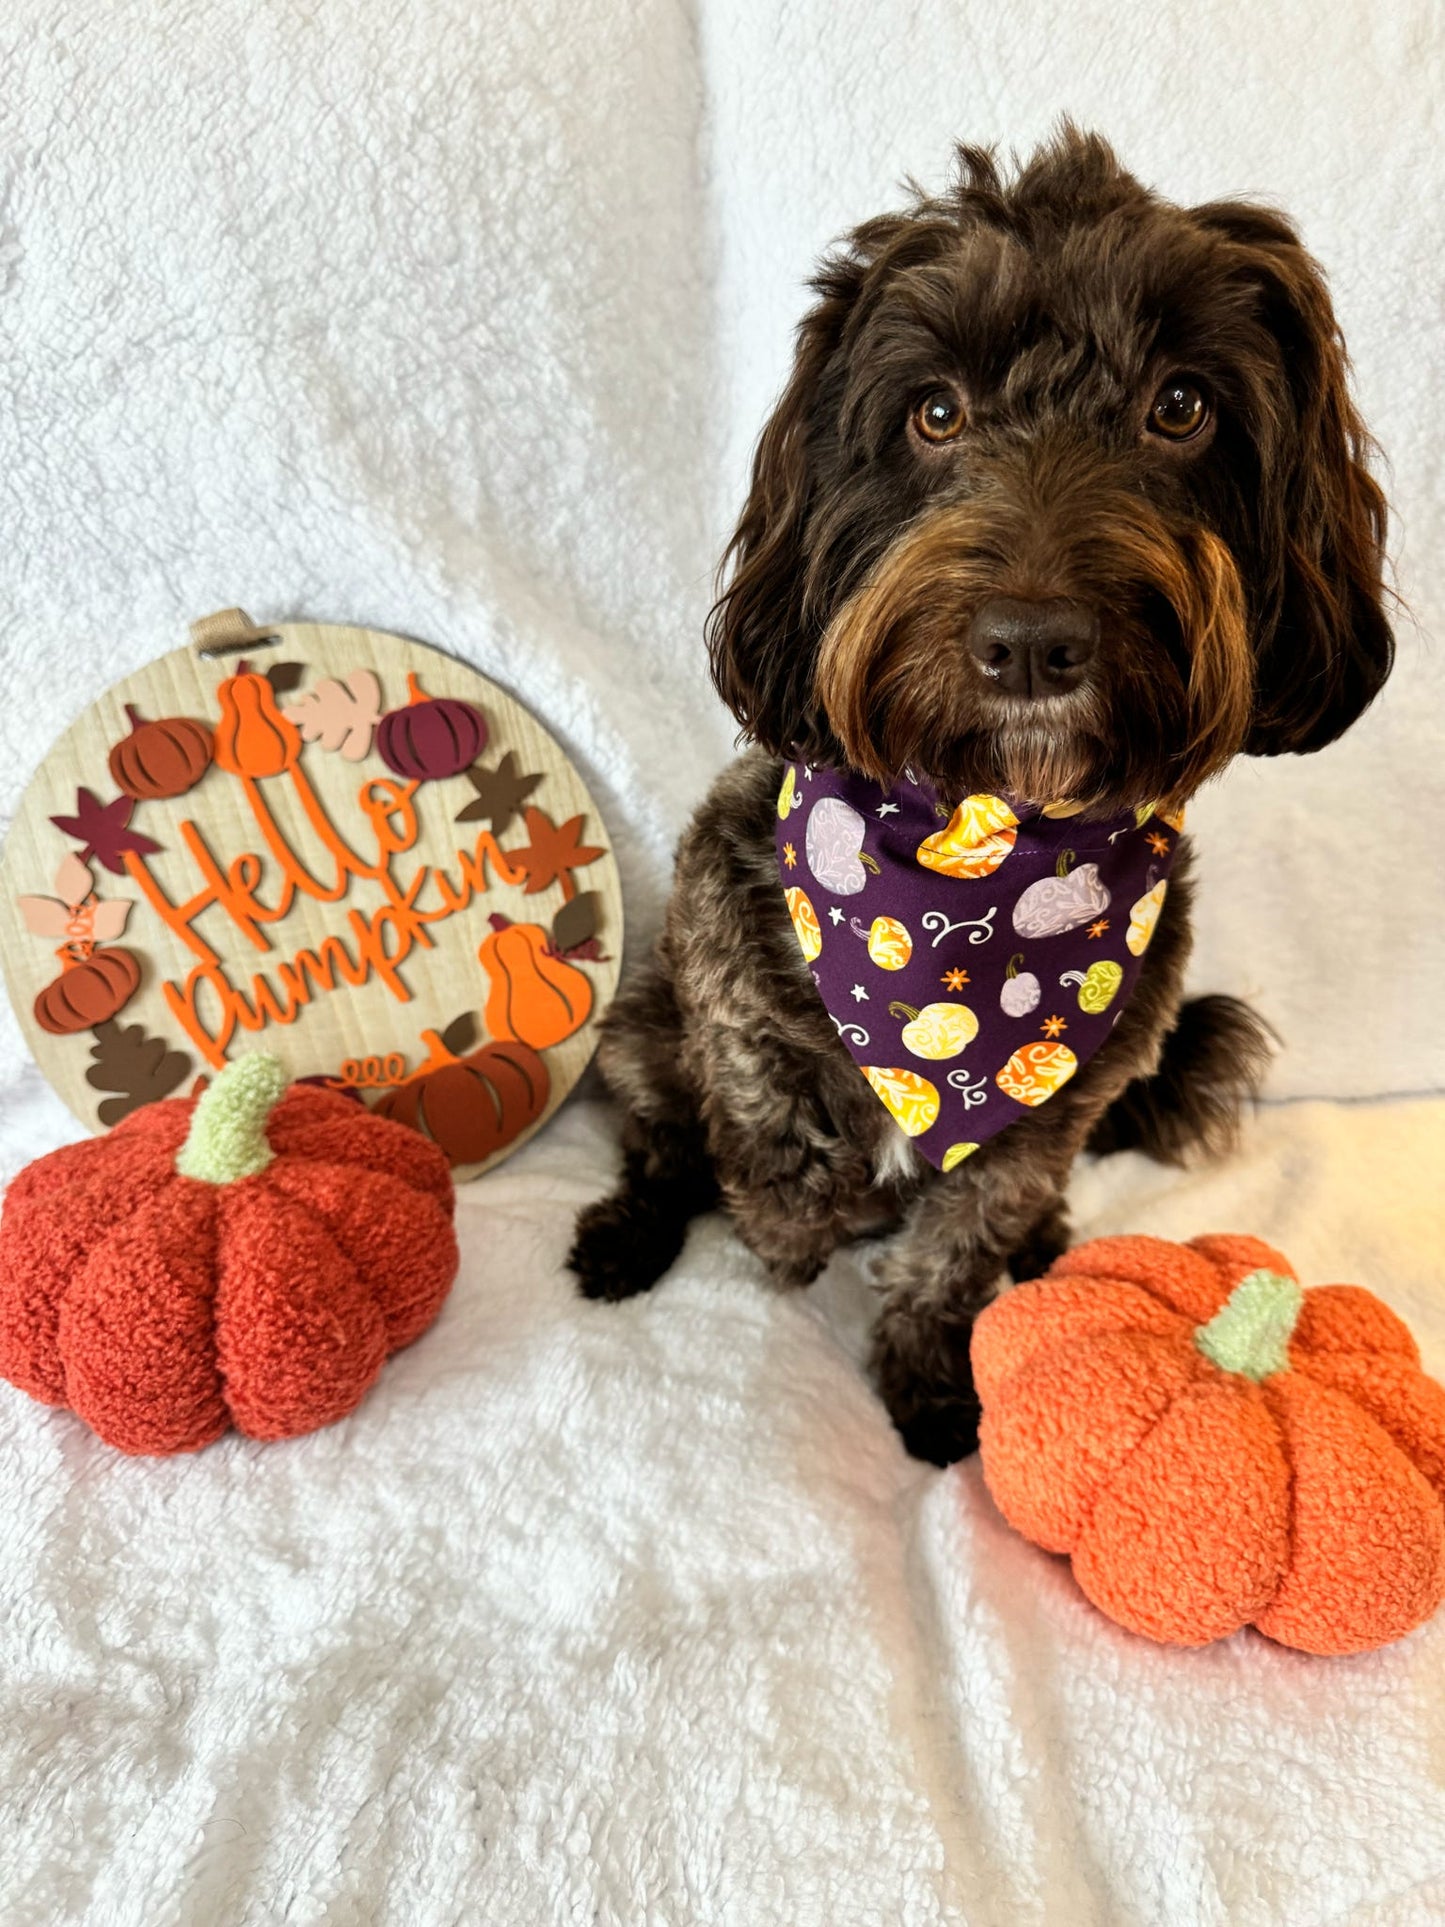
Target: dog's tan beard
897,686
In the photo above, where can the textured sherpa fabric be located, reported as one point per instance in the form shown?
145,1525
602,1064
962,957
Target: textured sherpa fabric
164,1308
626,1614
227,1135
1304,1500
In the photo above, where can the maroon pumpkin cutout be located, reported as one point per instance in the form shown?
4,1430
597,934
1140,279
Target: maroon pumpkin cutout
91,988
164,758
432,738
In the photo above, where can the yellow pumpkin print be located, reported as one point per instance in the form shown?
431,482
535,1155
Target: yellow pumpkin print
1098,986
1174,818
938,1030
889,944
805,924
910,1100
1058,812
955,1154
975,840
1033,1074
788,801
1143,918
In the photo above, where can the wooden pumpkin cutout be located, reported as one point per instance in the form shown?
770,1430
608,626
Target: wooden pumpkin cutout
430,738
474,1104
92,986
302,895
164,758
95,981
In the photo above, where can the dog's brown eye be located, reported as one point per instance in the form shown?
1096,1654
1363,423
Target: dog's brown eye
939,416
1179,410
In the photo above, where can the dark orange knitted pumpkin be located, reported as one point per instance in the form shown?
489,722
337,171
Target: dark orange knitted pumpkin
1216,1447
248,1258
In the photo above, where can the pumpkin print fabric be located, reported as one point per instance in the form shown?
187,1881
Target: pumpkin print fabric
992,940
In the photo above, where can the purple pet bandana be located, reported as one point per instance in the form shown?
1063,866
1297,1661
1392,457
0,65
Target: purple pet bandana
971,962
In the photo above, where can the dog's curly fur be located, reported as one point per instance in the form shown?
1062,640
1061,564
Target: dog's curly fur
1236,582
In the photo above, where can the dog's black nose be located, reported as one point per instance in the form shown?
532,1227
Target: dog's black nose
1028,648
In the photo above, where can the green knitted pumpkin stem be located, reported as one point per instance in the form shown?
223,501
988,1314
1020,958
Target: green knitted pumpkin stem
1251,1333
227,1138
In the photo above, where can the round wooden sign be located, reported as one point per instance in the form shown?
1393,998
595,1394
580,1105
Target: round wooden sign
330,843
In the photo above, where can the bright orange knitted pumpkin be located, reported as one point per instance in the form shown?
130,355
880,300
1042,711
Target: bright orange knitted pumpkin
1215,1447
249,1258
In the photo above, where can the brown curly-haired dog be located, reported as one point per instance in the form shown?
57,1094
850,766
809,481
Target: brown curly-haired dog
1065,497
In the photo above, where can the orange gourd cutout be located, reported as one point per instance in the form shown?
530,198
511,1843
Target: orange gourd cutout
536,996
1215,1447
253,738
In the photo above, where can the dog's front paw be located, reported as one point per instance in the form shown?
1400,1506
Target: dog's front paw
942,1433
923,1373
622,1247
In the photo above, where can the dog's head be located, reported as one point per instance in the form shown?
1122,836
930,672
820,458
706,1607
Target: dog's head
1065,497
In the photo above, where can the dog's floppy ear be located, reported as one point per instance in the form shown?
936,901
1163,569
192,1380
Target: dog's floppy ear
762,638
1324,643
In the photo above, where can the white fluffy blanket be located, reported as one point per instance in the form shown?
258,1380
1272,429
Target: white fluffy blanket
639,1614
459,320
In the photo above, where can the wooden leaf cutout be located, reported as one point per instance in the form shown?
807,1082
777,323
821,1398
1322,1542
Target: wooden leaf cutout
284,676
501,792
46,916
460,1034
101,827
109,920
73,881
142,1069
576,921
555,851
74,911
339,715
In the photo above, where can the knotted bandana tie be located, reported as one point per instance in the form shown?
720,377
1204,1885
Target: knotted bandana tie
971,962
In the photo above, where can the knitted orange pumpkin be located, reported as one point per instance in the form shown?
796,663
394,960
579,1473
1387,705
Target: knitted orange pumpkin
247,1258
1216,1447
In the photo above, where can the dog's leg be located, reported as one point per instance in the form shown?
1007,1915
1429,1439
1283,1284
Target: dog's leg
1046,1240
626,1242
796,1184
941,1271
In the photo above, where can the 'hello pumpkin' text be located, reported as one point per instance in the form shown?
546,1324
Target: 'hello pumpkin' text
374,943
